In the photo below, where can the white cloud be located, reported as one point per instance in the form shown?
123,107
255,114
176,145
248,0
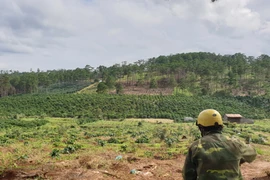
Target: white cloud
141,12
3,65
56,34
226,13
265,30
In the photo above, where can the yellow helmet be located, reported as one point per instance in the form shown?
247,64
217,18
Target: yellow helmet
209,117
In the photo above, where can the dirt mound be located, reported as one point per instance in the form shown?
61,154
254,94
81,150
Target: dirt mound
127,168
259,169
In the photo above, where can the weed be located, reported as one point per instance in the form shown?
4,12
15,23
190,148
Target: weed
123,148
169,141
140,123
55,153
100,142
69,149
148,154
160,133
22,157
259,151
143,139
114,140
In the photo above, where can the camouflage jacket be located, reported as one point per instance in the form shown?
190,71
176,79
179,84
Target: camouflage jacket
217,157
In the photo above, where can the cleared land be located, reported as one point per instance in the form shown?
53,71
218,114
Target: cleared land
151,120
72,149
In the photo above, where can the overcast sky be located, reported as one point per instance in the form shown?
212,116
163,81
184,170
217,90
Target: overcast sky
66,34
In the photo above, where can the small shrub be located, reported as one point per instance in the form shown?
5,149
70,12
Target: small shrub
160,133
259,151
4,140
140,123
123,148
22,157
143,139
69,149
114,140
258,140
148,154
100,142
169,141
55,153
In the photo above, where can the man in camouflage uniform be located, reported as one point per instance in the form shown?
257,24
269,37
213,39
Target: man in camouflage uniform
215,156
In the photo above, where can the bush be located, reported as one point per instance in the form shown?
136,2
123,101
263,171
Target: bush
100,142
69,149
143,139
114,140
160,133
55,153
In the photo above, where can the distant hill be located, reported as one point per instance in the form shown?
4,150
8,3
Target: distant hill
198,73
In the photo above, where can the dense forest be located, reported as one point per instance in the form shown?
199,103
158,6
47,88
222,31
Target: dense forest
198,73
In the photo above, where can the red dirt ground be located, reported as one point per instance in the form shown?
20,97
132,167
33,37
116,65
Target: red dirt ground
106,167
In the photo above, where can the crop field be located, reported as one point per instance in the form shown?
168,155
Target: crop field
70,148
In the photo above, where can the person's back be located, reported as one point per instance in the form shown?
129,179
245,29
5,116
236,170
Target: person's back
218,157
215,156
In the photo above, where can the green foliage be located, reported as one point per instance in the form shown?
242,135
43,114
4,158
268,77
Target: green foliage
195,133
114,141
65,87
71,148
160,141
104,106
21,123
172,82
143,139
160,133
153,83
4,140
200,73
102,88
100,142
124,148
169,141
140,123
148,154
55,153
81,121
110,82
23,157
119,88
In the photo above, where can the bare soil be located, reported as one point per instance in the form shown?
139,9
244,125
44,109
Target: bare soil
105,166
144,90
152,120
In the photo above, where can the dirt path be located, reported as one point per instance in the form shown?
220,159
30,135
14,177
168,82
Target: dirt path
257,169
106,167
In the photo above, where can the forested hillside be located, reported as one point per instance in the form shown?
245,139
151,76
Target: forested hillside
199,73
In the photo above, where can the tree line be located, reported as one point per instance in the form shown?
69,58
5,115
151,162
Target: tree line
200,73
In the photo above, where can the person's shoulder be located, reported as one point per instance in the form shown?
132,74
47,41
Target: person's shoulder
236,141
195,144
233,139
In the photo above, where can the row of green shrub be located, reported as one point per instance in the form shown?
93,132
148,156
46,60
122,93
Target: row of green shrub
97,106
4,124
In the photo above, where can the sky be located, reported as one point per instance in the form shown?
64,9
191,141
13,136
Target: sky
70,34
